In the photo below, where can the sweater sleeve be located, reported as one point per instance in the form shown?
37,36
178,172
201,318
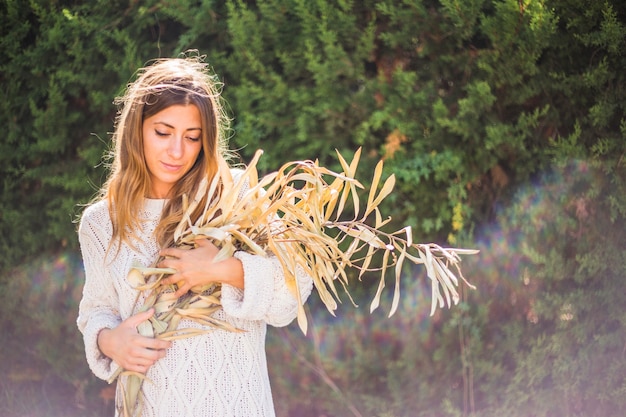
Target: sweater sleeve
98,307
265,295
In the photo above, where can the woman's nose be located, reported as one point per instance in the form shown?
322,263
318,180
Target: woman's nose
175,148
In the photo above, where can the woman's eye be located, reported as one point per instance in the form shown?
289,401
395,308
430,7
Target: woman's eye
193,139
158,133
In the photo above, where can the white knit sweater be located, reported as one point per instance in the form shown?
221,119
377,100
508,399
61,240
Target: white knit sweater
218,374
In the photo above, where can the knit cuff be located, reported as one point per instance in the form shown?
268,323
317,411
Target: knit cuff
102,366
253,302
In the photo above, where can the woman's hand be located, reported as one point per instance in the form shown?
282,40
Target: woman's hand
128,348
195,267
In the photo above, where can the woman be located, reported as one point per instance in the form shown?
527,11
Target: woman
168,136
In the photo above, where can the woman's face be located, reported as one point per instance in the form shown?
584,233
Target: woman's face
171,144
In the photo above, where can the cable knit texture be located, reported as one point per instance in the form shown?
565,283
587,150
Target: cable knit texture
218,374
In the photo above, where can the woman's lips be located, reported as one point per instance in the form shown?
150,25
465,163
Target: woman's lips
170,167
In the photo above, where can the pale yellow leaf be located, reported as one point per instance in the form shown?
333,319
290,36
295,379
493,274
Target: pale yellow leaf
396,293
375,180
390,182
145,329
302,320
381,284
225,252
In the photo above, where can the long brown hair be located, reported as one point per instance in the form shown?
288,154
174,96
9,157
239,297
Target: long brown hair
166,82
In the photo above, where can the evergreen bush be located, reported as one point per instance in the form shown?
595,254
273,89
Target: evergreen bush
471,103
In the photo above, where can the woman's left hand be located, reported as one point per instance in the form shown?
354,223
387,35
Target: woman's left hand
195,267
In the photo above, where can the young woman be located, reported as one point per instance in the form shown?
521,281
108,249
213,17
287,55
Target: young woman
169,135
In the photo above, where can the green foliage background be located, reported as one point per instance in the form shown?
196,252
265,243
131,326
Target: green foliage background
503,121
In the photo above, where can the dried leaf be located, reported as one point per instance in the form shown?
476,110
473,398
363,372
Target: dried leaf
396,293
290,214
376,301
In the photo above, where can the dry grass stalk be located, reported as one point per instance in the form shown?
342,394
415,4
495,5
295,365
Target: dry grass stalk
291,213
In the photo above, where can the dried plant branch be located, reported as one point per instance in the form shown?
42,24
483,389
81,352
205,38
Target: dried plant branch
297,214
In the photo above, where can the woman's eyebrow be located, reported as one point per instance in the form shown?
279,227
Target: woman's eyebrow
172,127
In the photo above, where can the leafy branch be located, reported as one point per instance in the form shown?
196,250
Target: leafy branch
290,214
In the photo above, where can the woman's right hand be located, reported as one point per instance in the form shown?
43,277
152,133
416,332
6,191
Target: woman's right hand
132,351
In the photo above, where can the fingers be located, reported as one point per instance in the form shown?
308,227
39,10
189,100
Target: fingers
173,263
177,278
170,263
142,359
149,350
182,289
159,346
145,357
137,319
204,242
194,266
139,352
174,279
132,351
182,285
200,243
170,252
